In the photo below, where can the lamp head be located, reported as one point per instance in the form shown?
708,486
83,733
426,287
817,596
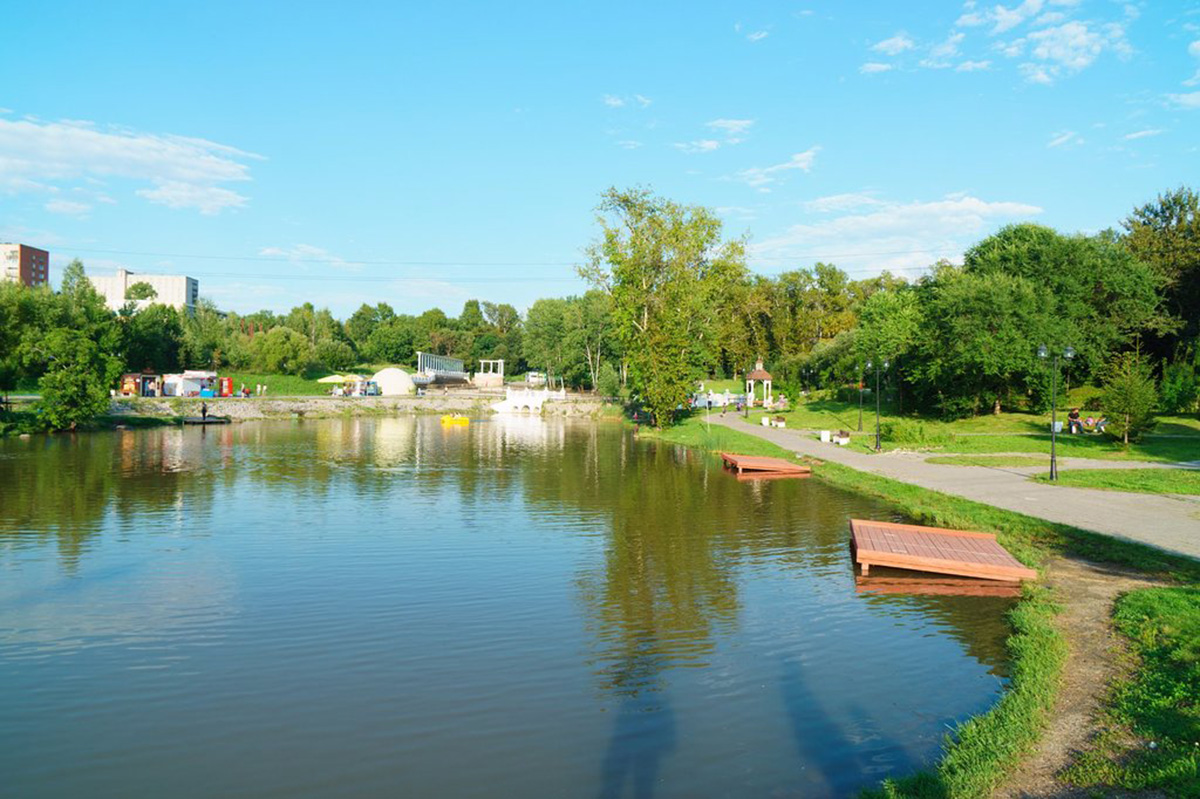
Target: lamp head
1069,353
1043,351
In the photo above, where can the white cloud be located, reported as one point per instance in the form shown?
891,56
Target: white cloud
757,36
734,129
1050,18
891,235
615,101
1063,138
971,19
207,200
1142,134
612,101
1194,49
186,172
1069,48
307,253
67,207
642,100
948,48
895,45
761,177
700,146
629,144
874,67
972,66
1188,101
840,202
1009,18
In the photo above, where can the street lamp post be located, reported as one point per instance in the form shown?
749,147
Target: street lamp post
878,437
1068,353
860,392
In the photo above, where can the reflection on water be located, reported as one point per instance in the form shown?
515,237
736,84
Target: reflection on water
518,607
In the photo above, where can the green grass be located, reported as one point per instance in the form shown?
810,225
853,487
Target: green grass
979,753
988,460
1165,450
280,385
1142,481
1158,702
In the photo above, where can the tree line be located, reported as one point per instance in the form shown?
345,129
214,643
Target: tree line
672,301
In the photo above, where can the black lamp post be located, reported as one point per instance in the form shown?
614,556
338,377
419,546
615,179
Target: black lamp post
1068,353
878,437
860,392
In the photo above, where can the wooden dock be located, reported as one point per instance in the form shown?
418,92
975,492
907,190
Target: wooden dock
935,586
209,420
930,549
763,465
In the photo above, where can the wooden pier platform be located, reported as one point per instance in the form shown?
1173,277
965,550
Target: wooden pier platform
930,549
209,420
758,463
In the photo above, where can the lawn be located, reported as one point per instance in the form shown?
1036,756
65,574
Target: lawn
1157,701
279,385
988,460
1142,481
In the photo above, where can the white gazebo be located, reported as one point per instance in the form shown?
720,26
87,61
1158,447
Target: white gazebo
758,375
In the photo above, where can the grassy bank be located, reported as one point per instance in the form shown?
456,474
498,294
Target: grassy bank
1158,701
1143,481
979,754
280,385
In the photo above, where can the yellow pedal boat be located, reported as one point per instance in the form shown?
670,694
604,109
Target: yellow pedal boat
455,419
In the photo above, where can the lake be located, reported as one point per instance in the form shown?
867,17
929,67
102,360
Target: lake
519,608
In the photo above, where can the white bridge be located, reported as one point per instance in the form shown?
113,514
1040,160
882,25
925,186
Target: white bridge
527,400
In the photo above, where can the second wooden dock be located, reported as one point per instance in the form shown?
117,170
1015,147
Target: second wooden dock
931,549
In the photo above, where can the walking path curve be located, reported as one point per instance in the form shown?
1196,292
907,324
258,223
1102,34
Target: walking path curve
1169,522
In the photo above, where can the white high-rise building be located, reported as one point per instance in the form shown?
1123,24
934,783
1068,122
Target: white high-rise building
177,290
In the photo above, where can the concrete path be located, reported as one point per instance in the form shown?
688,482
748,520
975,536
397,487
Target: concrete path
1169,522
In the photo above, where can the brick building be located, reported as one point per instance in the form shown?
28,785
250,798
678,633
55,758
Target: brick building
24,264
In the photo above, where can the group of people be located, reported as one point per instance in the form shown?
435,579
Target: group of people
260,389
1077,425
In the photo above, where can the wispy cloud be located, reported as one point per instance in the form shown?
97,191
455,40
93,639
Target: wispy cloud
1187,101
735,130
941,53
1142,134
874,67
643,101
183,171
68,207
307,253
895,45
612,101
757,36
1063,138
761,177
881,234
973,66
616,101
840,202
629,144
1004,18
1066,49
699,146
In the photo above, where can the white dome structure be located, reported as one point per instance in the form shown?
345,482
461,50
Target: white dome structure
394,382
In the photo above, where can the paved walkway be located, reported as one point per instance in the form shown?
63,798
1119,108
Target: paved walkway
1168,522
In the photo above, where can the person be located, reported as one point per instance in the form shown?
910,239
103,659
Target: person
1089,422
1073,423
204,411
242,390
1101,423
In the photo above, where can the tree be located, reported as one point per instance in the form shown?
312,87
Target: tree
1165,234
283,350
1129,397
588,322
75,386
206,342
334,355
363,322
141,291
392,341
665,267
153,338
545,335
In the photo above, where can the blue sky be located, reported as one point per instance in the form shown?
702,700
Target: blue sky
425,153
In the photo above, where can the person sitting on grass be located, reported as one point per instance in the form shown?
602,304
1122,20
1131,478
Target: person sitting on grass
1074,425
1101,423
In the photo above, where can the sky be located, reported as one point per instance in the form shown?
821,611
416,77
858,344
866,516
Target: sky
422,154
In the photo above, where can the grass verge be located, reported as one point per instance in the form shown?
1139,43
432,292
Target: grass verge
1143,481
980,753
1154,741
988,460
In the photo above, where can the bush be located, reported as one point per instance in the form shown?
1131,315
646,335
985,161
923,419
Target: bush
914,433
1180,388
334,355
608,382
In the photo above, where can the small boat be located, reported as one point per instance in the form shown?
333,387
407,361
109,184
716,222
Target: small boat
455,419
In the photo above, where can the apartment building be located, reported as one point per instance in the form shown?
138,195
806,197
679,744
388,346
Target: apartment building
24,264
177,290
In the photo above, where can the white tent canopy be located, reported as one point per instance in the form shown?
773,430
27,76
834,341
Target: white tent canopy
394,382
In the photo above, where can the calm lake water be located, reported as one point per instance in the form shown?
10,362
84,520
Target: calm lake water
383,607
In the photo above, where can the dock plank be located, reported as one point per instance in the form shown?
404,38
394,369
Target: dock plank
929,549
759,463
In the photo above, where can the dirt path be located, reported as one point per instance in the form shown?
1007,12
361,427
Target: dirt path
1087,592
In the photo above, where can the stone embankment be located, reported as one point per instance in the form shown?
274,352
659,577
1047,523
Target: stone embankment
240,409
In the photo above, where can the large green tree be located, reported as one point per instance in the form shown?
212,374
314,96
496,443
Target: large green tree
666,268
75,385
1165,233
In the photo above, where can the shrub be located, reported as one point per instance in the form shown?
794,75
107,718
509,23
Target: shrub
608,382
1129,397
914,433
1180,388
333,354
